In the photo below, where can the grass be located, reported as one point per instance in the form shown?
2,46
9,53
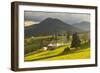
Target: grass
57,54
44,54
34,52
83,54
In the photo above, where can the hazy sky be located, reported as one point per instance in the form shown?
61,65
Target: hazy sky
71,18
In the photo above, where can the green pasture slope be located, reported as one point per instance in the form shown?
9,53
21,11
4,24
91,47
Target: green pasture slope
57,54
34,45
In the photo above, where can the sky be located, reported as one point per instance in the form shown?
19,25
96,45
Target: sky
34,17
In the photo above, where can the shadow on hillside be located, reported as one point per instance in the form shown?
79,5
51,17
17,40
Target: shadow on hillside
82,46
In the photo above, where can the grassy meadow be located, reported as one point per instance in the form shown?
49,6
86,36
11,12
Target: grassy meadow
35,48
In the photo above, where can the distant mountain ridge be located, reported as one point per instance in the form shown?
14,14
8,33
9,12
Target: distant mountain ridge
84,25
50,26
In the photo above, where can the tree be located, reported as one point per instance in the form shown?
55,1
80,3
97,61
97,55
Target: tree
68,36
41,43
56,37
85,37
75,41
66,50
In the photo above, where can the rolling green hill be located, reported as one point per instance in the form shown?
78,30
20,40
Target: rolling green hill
58,54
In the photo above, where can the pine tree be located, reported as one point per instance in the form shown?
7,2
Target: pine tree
75,41
68,36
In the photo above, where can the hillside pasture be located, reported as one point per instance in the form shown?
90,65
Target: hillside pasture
34,49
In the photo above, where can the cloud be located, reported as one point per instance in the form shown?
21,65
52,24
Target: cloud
70,18
28,23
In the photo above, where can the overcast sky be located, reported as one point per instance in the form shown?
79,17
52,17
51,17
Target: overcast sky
70,18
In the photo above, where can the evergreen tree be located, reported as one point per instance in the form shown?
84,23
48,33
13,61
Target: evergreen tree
68,36
75,41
